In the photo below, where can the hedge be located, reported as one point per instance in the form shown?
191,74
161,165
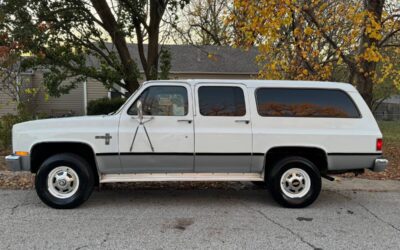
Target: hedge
104,106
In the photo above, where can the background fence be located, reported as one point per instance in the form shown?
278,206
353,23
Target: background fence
388,112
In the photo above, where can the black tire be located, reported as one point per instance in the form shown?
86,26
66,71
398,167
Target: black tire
279,169
81,168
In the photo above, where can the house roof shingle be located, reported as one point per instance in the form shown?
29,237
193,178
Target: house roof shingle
203,59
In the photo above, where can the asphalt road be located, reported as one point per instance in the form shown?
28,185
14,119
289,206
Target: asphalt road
210,218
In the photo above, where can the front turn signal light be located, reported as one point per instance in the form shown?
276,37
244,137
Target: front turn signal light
21,153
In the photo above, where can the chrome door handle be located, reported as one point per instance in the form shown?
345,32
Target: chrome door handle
245,121
185,120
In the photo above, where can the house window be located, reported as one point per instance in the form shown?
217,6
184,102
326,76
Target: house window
112,94
117,91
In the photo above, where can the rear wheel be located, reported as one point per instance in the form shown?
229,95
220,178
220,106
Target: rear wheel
294,182
64,181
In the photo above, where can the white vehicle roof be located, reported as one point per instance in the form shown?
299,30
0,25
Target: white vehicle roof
269,83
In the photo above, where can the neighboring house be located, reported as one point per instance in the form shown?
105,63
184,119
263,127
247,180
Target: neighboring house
7,106
389,109
10,92
187,62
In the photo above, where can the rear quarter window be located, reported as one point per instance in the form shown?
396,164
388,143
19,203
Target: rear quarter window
296,102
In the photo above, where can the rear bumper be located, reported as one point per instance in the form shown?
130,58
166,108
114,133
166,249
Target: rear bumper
380,165
18,163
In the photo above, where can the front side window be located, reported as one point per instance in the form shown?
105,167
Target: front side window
163,101
292,102
221,101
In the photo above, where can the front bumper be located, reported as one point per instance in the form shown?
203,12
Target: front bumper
380,164
18,163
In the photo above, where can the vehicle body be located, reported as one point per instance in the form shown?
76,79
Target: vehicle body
285,133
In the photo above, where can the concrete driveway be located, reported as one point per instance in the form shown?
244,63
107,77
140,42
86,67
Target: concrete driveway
246,218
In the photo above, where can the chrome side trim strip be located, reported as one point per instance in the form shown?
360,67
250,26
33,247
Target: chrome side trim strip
355,154
108,178
175,153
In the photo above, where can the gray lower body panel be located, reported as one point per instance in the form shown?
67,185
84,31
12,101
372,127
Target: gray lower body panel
222,163
179,163
351,161
153,163
257,163
109,164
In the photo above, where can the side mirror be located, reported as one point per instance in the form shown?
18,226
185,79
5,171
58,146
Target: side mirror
139,110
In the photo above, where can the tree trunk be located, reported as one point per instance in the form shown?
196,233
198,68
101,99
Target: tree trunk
157,8
365,85
110,24
140,46
364,79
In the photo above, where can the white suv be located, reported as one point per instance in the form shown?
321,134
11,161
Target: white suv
287,134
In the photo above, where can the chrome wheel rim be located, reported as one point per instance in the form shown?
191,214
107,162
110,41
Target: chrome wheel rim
295,183
63,182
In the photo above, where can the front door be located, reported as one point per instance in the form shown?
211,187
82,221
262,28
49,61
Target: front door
168,145
223,130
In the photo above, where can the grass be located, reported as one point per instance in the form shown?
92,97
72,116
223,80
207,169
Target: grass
390,131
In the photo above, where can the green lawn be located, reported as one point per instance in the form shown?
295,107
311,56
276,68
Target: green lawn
390,131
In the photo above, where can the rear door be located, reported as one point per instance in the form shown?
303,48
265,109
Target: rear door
223,136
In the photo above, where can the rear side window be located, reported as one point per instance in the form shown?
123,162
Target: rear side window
221,101
291,102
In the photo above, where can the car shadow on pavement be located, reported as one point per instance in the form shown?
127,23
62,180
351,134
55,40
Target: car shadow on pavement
195,198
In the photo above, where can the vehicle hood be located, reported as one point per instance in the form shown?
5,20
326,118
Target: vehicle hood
72,129
60,123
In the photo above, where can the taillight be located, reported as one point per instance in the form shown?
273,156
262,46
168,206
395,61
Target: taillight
379,144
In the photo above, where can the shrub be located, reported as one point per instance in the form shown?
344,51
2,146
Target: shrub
104,106
6,124
9,120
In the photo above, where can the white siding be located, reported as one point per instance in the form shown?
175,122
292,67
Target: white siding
7,105
65,104
95,90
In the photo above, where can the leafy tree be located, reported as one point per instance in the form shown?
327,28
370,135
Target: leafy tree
87,38
13,83
203,23
320,40
165,64
388,87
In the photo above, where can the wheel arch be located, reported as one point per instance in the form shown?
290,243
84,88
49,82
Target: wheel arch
316,155
42,150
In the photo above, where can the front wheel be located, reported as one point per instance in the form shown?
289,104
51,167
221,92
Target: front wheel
294,182
64,181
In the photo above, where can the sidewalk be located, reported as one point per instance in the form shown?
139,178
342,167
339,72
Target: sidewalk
358,184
